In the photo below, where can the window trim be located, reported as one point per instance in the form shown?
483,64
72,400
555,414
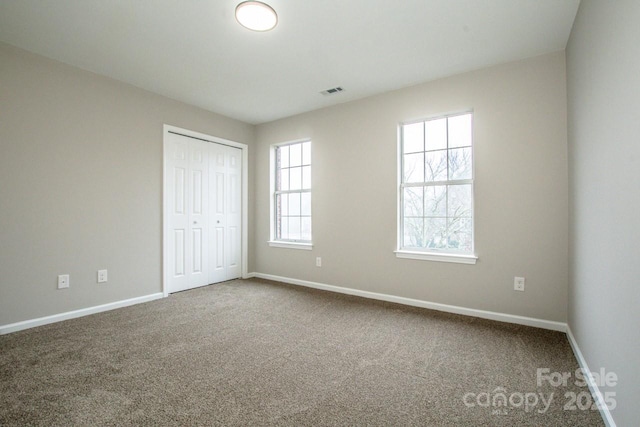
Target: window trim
438,255
273,242
290,245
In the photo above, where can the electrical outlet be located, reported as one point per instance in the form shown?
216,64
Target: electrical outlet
63,281
102,276
318,261
518,284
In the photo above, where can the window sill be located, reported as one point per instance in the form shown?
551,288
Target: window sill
291,245
431,256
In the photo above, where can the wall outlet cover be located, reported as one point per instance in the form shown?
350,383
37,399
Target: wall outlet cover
63,281
102,276
518,284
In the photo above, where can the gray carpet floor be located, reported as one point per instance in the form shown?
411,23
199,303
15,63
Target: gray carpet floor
251,352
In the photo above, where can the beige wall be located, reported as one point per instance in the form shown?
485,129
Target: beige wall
520,192
603,69
81,184
81,188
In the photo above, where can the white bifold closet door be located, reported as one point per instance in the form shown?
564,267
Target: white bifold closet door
205,232
225,197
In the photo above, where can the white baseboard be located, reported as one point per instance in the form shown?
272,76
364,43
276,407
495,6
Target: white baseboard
593,386
501,317
19,326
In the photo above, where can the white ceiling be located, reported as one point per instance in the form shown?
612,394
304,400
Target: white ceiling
194,50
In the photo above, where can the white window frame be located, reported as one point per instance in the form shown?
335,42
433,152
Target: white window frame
444,255
273,241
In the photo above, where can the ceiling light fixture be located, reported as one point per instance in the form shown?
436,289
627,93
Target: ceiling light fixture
256,16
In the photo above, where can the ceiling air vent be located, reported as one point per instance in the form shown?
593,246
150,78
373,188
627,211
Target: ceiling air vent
332,91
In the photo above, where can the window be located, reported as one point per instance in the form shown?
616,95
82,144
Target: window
292,195
436,189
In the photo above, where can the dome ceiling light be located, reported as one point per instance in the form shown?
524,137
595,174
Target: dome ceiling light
256,16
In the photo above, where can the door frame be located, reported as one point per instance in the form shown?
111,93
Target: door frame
166,129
